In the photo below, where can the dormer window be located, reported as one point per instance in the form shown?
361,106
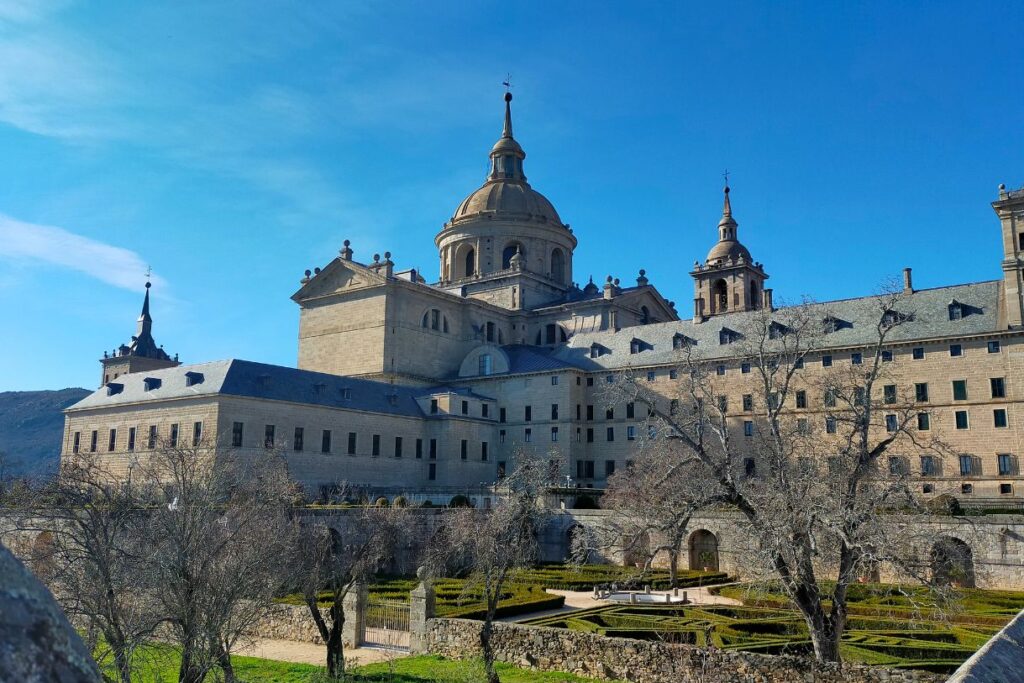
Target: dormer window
393,399
151,383
727,336
263,381
192,378
833,324
346,393
777,331
891,318
114,388
485,364
319,388
681,341
958,310
596,350
639,346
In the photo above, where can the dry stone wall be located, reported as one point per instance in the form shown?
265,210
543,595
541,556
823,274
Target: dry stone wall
588,654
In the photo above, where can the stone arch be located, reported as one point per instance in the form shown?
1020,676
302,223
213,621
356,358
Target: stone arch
464,263
645,315
637,550
469,265
557,265
719,296
703,546
509,251
434,319
952,563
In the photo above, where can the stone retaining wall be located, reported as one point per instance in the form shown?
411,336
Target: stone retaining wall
589,654
999,659
289,622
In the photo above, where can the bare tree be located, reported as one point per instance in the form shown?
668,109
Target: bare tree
219,527
492,545
332,561
811,493
88,548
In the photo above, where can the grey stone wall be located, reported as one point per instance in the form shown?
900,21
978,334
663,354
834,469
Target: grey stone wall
588,654
998,660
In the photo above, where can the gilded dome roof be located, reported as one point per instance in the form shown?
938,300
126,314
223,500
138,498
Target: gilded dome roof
512,199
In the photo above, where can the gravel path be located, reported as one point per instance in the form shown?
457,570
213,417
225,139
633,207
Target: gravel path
309,653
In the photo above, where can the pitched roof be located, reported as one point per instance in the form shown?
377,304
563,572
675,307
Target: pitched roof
258,380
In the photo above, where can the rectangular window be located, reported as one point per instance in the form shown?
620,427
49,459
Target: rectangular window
967,488
554,380
528,414
917,353
268,435
720,370
485,410
993,347
588,469
501,436
673,374
174,435
236,434
433,406
723,403
465,407
433,449
858,396
959,390
801,399
998,387
501,466
152,435
554,411
590,413
1007,464
483,451
609,468
609,413
375,448
745,368
897,466
590,381
197,433
630,411
112,440
999,418
631,433
579,411
826,361
748,428
77,442
886,356
131,439
611,434
799,363
830,398
351,443
419,449
801,426
966,465
961,419
830,425
748,402
527,435
650,375
297,442
432,471
956,350
889,393
464,449
398,447
1005,489
856,358
891,423
921,392
579,435
501,415
924,422
927,466
673,406
554,434
590,435
325,441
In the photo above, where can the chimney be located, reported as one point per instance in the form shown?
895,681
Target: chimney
908,282
698,310
767,297
609,288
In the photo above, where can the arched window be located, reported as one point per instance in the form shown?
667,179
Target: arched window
508,252
557,265
645,315
470,262
720,294
434,320
485,364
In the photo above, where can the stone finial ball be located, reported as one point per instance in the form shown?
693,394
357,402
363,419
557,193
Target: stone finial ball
316,270
376,257
421,573
643,272
508,97
307,272
387,254
346,243
609,279
1002,186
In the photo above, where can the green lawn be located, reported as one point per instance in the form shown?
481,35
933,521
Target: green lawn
159,664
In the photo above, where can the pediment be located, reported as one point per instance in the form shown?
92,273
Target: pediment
337,278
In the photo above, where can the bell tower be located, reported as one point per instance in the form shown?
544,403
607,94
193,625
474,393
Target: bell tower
140,354
1010,209
729,279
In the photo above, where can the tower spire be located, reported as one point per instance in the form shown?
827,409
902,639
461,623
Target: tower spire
145,320
506,155
507,131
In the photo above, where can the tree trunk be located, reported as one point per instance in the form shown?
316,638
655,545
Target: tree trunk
224,662
335,646
824,637
122,660
189,672
673,567
488,651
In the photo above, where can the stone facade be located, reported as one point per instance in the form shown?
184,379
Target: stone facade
597,656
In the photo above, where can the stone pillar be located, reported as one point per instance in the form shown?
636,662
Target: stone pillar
354,606
421,610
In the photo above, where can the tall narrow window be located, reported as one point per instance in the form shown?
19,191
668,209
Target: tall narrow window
112,440
464,451
376,445
999,418
554,411
299,439
959,390
483,451
131,438
998,387
93,437
152,437
236,434
174,435
419,449
921,392
268,436
398,447
433,449
197,433
325,441
77,442
352,443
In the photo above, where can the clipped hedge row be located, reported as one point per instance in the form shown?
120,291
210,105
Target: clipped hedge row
585,577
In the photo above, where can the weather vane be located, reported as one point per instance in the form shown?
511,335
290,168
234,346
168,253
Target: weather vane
507,82
726,176
149,272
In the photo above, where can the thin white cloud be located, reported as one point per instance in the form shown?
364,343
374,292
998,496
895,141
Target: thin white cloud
34,243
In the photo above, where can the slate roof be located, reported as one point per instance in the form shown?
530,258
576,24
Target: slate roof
524,358
259,380
930,321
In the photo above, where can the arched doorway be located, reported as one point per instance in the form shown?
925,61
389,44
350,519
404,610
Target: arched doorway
557,265
952,563
703,550
720,296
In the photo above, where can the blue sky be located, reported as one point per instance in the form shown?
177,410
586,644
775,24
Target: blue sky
232,145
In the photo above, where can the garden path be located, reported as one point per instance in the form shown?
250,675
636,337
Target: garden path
576,600
310,653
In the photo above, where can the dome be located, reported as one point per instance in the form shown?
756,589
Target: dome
727,250
510,199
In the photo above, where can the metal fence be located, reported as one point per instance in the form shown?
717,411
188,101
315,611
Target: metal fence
386,624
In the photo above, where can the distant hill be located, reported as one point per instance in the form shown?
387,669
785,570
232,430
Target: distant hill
31,426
